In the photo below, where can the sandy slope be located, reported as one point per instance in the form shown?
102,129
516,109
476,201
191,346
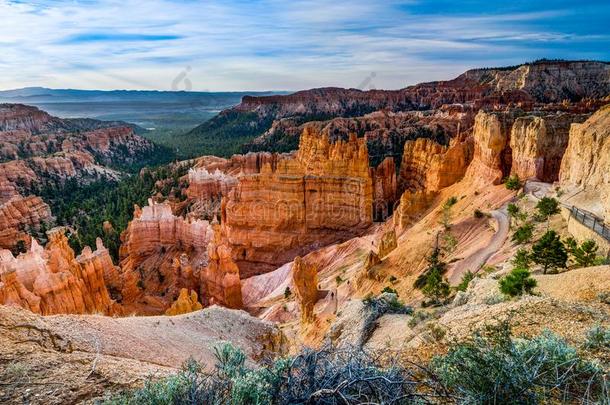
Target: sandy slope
77,357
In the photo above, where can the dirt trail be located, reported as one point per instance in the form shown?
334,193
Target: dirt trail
475,261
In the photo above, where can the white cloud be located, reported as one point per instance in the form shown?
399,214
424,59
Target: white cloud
254,45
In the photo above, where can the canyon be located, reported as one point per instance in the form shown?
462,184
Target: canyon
299,244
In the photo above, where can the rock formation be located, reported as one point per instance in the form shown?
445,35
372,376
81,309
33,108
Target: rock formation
185,303
305,282
204,185
427,165
20,215
372,259
538,144
492,157
411,205
384,188
586,163
321,196
160,254
387,243
220,281
52,281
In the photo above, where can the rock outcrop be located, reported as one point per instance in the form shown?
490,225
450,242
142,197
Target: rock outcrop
204,185
427,165
305,282
52,281
492,157
322,195
185,303
586,163
20,215
161,253
387,243
538,144
384,189
220,281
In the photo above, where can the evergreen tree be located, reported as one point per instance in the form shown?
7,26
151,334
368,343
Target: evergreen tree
549,252
584,255
436,288
546,207
522,259
517,282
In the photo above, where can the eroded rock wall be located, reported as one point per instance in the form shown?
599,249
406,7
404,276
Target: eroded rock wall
322,195
52,280
538,144
586,163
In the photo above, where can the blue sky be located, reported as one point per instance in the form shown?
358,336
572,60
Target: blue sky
284,45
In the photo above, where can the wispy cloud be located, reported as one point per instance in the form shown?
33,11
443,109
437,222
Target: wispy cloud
274,44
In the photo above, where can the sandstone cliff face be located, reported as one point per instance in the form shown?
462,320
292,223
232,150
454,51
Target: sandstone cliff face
20,215
384,188
52,281
427,165
492,154
305,282
412,204
586,163
220,281
161,253
538,145
204,185
321,196
524,86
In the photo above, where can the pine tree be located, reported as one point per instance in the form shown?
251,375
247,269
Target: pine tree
549,252
436,288
584,255
522,259
517,282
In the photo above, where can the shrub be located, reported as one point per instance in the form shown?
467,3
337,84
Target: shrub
517,282
478,213
466,279
393,279
549,252
338,280
287,293
451,201
390,290
523,234
493,368
512,209
436,288
547,206
513,183
597,338
522,259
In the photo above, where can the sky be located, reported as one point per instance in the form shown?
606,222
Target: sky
233,45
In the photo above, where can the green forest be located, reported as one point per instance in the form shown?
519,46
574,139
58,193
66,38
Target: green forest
86,208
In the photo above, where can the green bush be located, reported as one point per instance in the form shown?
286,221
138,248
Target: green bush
388,289
547,206
479,214
523,234
517,282
513,183
494,368
466,279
